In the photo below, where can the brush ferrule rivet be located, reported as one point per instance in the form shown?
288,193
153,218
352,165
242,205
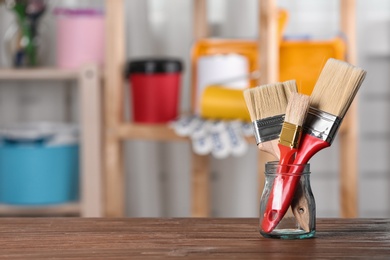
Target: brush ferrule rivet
290,135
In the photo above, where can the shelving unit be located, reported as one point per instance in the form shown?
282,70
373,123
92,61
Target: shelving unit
116,130
88,81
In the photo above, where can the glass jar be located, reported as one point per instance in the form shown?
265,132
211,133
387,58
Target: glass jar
22,46
287,206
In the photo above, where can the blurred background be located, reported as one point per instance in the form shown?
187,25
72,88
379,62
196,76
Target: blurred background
158,181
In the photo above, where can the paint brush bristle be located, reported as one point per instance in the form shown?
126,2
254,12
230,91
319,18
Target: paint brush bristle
266,101
297,108
290,87
336,87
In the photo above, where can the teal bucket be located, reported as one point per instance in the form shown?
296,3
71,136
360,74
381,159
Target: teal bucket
34,174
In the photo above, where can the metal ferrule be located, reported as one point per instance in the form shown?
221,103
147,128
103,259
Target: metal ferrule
268,129
322,125
290,135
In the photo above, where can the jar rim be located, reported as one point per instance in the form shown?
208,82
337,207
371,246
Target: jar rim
274,167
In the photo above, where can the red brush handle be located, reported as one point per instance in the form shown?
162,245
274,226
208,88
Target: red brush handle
310,145
286,155
283,188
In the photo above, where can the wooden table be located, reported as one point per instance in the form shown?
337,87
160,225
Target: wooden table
126,238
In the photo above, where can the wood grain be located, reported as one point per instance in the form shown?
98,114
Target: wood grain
200,194
115,55
154,132
200,26
44,210
38,74
348,132
91,141
269,63
201,238
268,42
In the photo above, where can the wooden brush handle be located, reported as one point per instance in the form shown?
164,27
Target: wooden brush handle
300,208
269,147
310,145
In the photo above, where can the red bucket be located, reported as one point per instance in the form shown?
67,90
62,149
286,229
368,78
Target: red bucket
155,85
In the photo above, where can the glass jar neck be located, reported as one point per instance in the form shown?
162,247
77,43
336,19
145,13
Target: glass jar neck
288,169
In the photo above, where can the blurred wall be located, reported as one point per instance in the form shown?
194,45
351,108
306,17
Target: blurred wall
158,176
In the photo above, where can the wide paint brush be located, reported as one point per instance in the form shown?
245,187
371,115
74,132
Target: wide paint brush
267,106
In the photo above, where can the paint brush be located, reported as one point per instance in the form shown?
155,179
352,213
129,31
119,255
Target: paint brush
267,105
267,108
333,94
289,140
291,133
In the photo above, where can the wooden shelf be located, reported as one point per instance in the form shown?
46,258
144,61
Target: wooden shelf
153,132
38,74
23,210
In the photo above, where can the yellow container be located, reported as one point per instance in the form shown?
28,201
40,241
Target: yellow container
299,60
246,48
219,102
303,60
206,47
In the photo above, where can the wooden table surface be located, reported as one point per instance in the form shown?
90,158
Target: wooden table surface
218,238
